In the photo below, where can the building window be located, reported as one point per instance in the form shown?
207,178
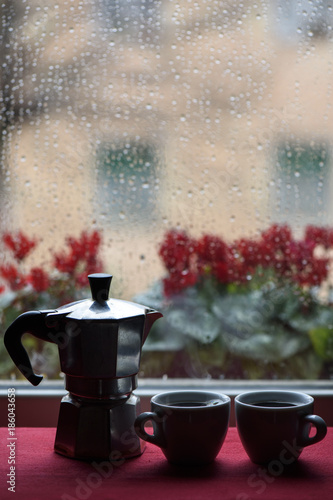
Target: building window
302,180
127,183
303,18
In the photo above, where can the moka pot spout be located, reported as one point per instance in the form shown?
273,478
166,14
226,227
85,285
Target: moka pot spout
151,317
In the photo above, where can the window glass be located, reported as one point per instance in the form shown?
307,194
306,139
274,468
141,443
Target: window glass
185,147
127,183
302,175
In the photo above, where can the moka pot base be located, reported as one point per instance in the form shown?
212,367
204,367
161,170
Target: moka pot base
98,429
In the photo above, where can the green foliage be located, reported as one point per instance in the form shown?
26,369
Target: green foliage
322,341
270,331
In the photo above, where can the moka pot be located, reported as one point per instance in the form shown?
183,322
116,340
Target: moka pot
99,342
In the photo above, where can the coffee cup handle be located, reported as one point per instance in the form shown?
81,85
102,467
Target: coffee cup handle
157,437
318,423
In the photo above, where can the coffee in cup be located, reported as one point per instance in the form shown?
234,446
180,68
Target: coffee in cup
275,425
188,426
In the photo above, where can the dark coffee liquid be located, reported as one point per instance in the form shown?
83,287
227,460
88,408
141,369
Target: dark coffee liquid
186,404
274,404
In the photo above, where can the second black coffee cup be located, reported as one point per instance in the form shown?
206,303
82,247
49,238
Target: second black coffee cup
275,425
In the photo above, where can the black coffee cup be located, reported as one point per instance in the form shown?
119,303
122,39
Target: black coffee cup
188,426
275,425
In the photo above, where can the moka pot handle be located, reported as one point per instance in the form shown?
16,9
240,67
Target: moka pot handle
32,322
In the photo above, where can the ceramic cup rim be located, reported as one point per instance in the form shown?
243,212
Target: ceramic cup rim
205,396
246,399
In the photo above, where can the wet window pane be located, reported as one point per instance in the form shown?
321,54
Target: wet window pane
302,175
184,147
127,183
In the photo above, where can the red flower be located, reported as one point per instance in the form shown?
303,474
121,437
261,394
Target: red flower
176,251
210,250
270,250
275,242
65,263
307,270
319,235
189,261
274,249
84,246
221,271
249,251
214,257
14,278
39,279
278,236
177,281
313,275
19,244
81,258
247,255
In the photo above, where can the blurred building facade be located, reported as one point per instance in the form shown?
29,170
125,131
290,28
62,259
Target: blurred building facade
135,117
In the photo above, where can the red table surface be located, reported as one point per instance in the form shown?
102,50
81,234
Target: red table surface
40,473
